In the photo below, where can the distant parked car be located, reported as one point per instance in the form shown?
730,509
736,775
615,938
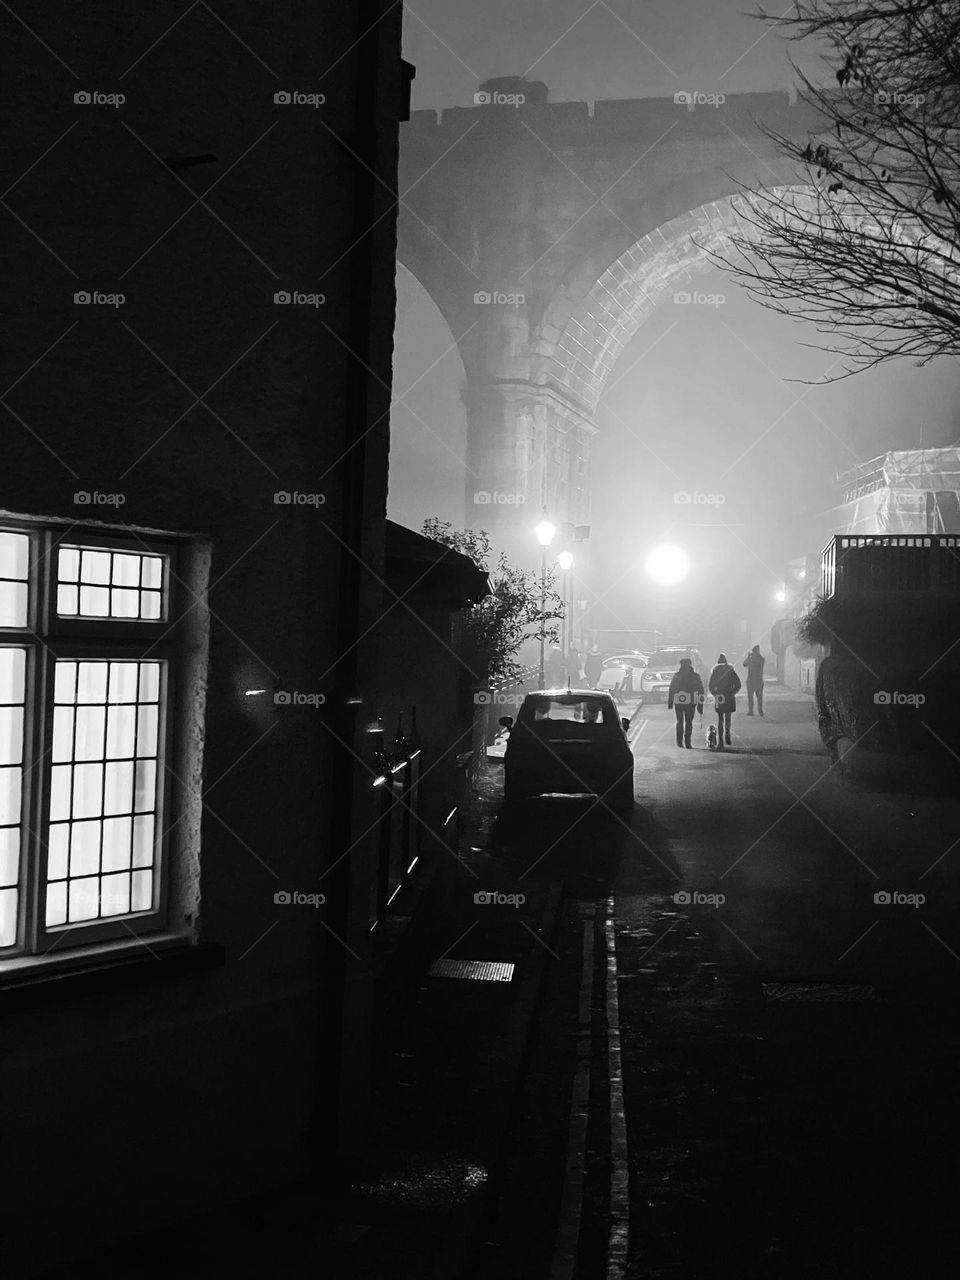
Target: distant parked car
663,665
573,742
626,658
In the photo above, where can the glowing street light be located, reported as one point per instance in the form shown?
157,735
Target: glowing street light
565,561
780,596
545,532
667,564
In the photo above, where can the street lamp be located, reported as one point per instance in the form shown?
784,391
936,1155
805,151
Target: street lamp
565,563
545,532
667,564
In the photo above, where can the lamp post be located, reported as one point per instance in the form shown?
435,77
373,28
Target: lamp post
565,562
545,532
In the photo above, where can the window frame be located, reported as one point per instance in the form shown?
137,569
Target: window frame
47,638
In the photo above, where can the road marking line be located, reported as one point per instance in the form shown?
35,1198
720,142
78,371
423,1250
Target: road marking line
619,1239
571,1202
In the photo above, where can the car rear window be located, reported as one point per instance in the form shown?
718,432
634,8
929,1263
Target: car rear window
574,711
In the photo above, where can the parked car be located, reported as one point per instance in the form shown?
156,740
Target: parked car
626,658
572,742
663,666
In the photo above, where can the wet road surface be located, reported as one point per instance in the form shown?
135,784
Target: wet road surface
789,1040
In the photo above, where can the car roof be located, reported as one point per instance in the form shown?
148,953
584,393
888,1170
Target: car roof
577,694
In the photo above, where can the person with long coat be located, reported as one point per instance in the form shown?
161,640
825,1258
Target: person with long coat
685,698
724,685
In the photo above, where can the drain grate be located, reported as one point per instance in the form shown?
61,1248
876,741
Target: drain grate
818,992
473,970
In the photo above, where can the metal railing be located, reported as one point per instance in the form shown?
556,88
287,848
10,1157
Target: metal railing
891,563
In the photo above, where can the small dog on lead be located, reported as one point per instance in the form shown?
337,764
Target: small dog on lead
712,740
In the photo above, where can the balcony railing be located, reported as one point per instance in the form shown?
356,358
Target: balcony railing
884,564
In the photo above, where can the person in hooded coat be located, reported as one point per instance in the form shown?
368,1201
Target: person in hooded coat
593,667
685,697
724,685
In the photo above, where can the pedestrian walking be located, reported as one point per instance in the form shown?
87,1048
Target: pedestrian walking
555,669
724,685
573,666
754,663
685,696
593,667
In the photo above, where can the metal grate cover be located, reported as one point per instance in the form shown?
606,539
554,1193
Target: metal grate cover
818,992
473,970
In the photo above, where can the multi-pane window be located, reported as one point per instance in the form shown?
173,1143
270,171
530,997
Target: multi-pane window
86,678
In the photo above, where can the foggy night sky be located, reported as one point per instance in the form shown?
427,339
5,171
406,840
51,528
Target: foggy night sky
705,408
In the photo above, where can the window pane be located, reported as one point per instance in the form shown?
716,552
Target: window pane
116,844
12,667
8,917
68,564
9,856
92,682
126,570
95,566
121,722
11,735
94,602
123,681
93,583
89,739
57,850
56,912
10,780
115,895
62,733
106,841
65,682
85,848
14,555
13,604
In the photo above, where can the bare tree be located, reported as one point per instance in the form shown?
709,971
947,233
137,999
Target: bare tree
867,244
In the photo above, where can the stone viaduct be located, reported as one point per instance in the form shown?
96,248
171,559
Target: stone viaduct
546,233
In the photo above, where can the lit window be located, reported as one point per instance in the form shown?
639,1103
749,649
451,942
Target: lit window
84,697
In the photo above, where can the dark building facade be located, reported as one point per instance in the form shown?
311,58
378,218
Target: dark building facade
200,218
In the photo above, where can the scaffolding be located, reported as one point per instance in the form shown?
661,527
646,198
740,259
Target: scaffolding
909,491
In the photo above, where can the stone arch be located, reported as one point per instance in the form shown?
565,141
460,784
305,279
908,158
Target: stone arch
576,359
